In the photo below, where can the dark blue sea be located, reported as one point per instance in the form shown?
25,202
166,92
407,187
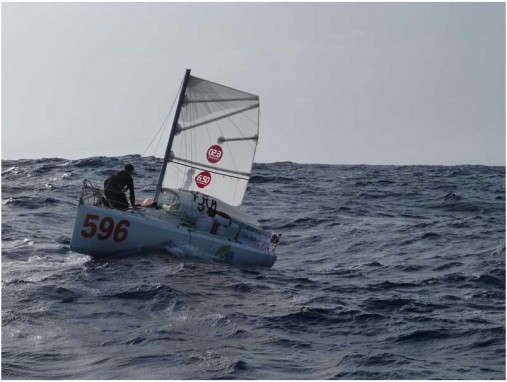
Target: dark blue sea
383,272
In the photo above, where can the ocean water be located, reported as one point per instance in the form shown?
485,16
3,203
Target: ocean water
383,272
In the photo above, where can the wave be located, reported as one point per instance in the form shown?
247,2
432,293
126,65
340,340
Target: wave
143,294
379,268
31,202
260,179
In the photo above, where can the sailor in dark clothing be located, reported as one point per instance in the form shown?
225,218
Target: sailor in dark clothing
116,185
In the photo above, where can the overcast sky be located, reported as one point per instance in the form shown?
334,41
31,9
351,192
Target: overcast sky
341,83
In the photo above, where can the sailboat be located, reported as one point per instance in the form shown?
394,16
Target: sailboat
202,183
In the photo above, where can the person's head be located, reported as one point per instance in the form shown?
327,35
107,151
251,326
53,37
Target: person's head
129,168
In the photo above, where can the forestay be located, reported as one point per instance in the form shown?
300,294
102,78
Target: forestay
214,141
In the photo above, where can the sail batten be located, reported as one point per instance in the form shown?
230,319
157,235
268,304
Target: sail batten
222,139
218,170
202,159
218,118
222,100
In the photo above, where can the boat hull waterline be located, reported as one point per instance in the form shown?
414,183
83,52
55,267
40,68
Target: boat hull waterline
100,231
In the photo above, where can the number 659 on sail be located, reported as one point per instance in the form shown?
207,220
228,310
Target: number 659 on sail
105,228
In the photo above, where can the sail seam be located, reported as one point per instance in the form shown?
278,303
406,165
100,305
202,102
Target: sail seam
217,170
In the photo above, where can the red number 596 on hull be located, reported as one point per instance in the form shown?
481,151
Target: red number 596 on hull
106,228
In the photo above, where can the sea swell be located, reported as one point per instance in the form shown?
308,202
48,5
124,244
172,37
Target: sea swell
383,272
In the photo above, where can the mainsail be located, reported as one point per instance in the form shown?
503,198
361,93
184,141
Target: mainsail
213,141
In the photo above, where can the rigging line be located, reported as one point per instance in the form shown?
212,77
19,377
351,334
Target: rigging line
158,144
163,124
159,134
187,140
183,140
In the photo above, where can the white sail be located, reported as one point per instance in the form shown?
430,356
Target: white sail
214,142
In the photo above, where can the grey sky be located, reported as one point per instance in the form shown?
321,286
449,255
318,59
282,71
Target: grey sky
350,83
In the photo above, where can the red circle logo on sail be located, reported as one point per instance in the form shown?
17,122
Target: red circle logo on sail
203,179
214,154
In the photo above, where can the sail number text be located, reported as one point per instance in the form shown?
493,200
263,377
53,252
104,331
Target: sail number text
203,179
105,228
214,154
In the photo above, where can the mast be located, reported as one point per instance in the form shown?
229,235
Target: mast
171,137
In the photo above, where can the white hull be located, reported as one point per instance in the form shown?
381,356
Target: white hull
204,176
101,231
